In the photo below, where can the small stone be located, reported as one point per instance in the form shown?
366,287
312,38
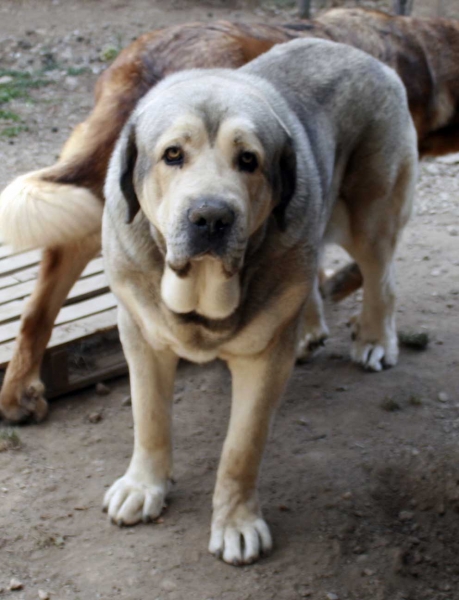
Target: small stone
71,83
15,585
102,389
405,515
95,417
331,596
5,79
126,401
414,340
168,585
453,231
390,404
368,572
443,397
347,496
43,595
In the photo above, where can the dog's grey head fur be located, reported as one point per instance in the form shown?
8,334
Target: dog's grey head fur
207,157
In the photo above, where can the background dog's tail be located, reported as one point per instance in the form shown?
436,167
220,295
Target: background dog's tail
36,211
342,283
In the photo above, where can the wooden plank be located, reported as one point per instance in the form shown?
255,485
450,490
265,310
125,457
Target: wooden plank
6,251
9,331
95,266
70,332
10,264
12,300
116,368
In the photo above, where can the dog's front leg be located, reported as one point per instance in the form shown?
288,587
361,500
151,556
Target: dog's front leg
140,494
239,534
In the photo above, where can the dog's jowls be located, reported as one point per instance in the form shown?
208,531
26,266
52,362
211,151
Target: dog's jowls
221,192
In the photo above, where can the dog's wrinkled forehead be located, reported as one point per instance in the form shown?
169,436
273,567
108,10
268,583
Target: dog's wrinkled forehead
213,97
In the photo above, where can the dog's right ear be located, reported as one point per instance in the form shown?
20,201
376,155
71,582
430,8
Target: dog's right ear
128,161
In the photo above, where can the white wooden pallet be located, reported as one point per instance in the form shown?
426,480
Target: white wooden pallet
90,310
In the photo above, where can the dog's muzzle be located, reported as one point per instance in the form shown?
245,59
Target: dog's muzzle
209,226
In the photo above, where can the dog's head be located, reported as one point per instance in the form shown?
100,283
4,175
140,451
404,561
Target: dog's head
208,160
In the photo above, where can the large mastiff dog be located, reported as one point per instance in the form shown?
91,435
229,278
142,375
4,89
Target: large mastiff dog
221,192
60,207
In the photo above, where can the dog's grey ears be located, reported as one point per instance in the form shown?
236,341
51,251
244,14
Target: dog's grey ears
129,158
286,183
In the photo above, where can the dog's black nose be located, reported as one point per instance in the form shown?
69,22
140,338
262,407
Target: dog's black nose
211,219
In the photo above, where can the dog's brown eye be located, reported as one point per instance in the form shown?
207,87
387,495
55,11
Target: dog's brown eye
173,156
247,161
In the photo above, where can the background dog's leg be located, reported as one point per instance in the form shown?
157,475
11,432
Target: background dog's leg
239,534
315,330
140,494
22,392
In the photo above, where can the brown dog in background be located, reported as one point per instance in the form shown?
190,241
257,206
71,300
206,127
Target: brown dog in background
424,52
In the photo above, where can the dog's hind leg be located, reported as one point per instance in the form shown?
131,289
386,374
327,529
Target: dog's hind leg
376,230
22,393
315,330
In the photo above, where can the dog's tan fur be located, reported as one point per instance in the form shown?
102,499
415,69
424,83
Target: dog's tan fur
424,52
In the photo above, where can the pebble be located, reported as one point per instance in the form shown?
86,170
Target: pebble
443,397
71,83
15,585
331,596
126,401
168,585
95,417
405,515
453,231
5,79
102,389
43,595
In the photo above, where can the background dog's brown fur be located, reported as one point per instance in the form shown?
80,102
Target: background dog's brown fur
424,52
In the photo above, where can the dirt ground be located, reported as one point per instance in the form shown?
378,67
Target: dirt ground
360,482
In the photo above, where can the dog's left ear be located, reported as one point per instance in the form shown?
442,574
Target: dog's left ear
286,182
129,158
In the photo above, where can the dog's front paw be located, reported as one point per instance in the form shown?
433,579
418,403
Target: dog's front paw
131,500
374,352
23,403
241,538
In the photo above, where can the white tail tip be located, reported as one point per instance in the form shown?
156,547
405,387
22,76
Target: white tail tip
35,213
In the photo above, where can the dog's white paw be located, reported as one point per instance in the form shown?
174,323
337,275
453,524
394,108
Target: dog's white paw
312,342
240,540
130,501
372,353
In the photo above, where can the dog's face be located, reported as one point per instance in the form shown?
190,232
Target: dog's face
207,170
